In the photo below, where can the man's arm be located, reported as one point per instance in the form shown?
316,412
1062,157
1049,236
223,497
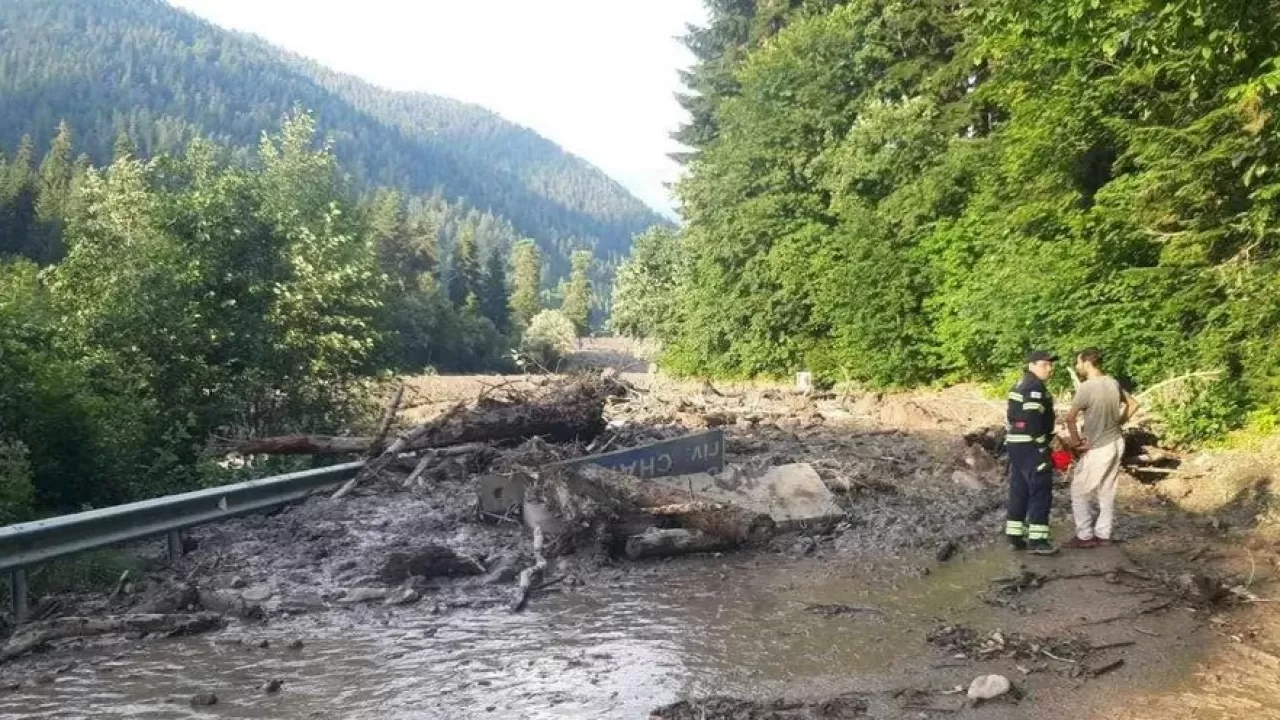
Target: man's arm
1073,428
1078,403
1130,407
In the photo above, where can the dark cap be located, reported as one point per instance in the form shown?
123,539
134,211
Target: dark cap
1041,356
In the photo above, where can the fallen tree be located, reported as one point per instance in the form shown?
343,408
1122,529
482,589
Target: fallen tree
33,637
598,502
571,410
671,542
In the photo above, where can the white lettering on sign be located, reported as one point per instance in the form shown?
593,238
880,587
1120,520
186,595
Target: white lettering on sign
664,463
706,450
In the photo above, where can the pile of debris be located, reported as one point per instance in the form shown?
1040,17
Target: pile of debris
844,707
542,482
964,642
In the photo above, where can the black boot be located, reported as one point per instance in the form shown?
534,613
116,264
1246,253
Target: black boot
1017,542
1041,547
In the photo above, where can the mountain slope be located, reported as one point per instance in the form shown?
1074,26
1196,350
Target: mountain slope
163,75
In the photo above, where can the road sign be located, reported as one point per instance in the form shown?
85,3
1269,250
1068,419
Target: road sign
699,452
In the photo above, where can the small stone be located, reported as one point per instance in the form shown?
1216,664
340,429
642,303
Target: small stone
403,596
204,700
947,550
505,570
272,686
967,480
988,687
263,643
261,593
238,583
363,595
295,644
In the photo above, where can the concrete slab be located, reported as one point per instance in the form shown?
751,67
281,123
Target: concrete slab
793,495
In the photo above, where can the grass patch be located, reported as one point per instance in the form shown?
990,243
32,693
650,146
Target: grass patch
92,571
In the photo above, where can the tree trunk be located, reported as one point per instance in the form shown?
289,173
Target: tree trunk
306,445
571,411
676,541
34,636
580,492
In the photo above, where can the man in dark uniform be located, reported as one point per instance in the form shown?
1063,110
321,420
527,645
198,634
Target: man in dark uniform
1029,429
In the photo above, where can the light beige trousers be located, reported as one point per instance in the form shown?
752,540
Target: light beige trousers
1095,479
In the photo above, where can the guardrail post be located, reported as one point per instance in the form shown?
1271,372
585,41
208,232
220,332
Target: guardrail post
175,546
18,594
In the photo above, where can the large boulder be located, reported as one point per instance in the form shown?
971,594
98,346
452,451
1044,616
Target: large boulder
427,561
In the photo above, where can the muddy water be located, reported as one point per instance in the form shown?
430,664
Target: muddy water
616,652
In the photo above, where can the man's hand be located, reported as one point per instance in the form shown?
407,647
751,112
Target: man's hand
1079,444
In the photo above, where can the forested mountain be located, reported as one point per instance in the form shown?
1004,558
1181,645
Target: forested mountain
163,76
920,191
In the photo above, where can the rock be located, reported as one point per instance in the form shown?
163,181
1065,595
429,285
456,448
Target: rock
303,602
363,595
967,480
989,687
272,686
427,561
229,602
258,594
296,644
403,596
238,583
979,460
947,550
204,700
504,571
168,599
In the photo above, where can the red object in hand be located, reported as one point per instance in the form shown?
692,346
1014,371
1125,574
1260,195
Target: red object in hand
1061,459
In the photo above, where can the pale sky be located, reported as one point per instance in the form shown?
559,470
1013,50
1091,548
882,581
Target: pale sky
595,76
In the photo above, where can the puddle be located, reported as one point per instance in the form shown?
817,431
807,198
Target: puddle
698,627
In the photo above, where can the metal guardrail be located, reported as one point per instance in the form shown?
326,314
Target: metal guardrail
32,543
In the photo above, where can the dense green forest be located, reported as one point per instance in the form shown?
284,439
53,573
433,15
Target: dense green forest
160,77
153,311
919,191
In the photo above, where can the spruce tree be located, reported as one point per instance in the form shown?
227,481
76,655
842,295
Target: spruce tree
577,296
526,286
464,278
494,301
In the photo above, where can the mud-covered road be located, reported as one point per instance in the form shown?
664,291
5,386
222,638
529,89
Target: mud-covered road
883,616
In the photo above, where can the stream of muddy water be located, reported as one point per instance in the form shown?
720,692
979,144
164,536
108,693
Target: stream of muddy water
699,626
742,627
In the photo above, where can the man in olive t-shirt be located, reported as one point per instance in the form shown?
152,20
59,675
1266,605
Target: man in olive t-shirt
1106,407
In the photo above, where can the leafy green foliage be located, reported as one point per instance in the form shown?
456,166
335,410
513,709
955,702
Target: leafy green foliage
526,286
494,302
915,192
645,288
1199,412
141,78
550,337
464,272
577,297
202,298
17,492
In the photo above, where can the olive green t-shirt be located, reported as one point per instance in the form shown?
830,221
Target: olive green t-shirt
1102,403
